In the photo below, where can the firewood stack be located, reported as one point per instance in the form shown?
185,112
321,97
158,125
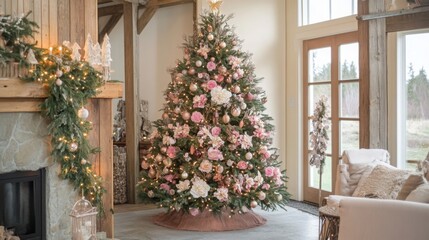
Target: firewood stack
7,235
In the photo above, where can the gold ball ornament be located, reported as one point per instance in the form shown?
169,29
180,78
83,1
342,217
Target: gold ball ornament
236,112
165,170
73,147
163,149
191,71
253,204
83,113
83,161
186,115
158,158
58,82
167,162
152,173
226,118
193,87
145,165
165,116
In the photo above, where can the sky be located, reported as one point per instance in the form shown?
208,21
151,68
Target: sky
417,51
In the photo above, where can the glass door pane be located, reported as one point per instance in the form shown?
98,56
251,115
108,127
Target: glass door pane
349,99
326,176
349,61
349,135
319,65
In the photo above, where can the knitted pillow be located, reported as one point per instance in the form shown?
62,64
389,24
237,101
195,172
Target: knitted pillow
383,182
412,182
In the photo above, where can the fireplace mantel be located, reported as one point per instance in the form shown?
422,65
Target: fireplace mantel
19,96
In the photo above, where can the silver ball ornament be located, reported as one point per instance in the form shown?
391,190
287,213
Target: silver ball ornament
243,105
184,175
177,110
249,155
279,197
253,204
261,196
222,45
58,82
73,147
59,73
198,63
83,113
210,37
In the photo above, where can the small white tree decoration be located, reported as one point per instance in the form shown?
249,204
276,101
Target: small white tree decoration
89,50
319,138
84,220
96,57
75,52
106,57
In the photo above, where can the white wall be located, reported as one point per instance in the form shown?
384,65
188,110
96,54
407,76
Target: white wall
294,133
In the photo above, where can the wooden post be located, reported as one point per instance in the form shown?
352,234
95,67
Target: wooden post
377,78
364,76
131,97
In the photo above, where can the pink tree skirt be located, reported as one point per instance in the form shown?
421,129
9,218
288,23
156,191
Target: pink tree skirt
208,221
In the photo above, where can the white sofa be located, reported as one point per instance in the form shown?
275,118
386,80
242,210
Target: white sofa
377,219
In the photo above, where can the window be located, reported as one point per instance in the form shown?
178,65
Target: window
413,97
331,68
315,11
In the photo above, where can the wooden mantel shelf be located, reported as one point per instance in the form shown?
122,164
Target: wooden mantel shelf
19,96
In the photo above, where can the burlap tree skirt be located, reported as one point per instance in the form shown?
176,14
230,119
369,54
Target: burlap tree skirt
208,221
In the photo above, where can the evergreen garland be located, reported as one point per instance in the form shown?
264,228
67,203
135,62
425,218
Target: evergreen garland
69,83
16,34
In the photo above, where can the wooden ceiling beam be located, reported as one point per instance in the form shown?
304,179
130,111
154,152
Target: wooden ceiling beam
168,3
110,10
144,19
114,19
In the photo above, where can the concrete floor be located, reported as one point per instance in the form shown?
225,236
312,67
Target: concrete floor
132,223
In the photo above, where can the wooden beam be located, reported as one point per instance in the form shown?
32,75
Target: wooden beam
377,78
168,3
144,19
364,76
131,98
16,88
110,10
104,1
407,22
114,19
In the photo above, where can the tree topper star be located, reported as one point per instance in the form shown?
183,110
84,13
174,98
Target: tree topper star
215,5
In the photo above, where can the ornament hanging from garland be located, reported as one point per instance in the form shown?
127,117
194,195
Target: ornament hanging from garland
83,113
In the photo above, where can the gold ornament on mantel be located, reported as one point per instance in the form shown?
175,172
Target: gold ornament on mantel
215,5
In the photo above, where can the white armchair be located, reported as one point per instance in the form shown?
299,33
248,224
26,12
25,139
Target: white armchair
376,219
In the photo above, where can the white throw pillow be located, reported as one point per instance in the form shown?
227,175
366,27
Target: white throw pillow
383,182
420,194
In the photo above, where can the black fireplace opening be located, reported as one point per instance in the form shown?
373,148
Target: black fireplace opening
22,203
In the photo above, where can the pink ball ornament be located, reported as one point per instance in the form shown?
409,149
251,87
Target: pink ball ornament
222,45
184,72
58,82
152,173
177,110
59,73
253,204
229,80
235,76
165,116
237,89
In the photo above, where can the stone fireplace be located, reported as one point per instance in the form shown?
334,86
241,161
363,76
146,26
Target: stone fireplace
25,146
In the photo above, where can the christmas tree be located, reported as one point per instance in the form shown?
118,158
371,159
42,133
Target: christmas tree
212,148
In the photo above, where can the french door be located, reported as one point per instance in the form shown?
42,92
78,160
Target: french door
330,68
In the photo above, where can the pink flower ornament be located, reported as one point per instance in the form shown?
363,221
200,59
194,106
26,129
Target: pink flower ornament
211,84
211,66
197,117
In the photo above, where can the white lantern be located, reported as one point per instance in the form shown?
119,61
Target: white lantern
84,219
